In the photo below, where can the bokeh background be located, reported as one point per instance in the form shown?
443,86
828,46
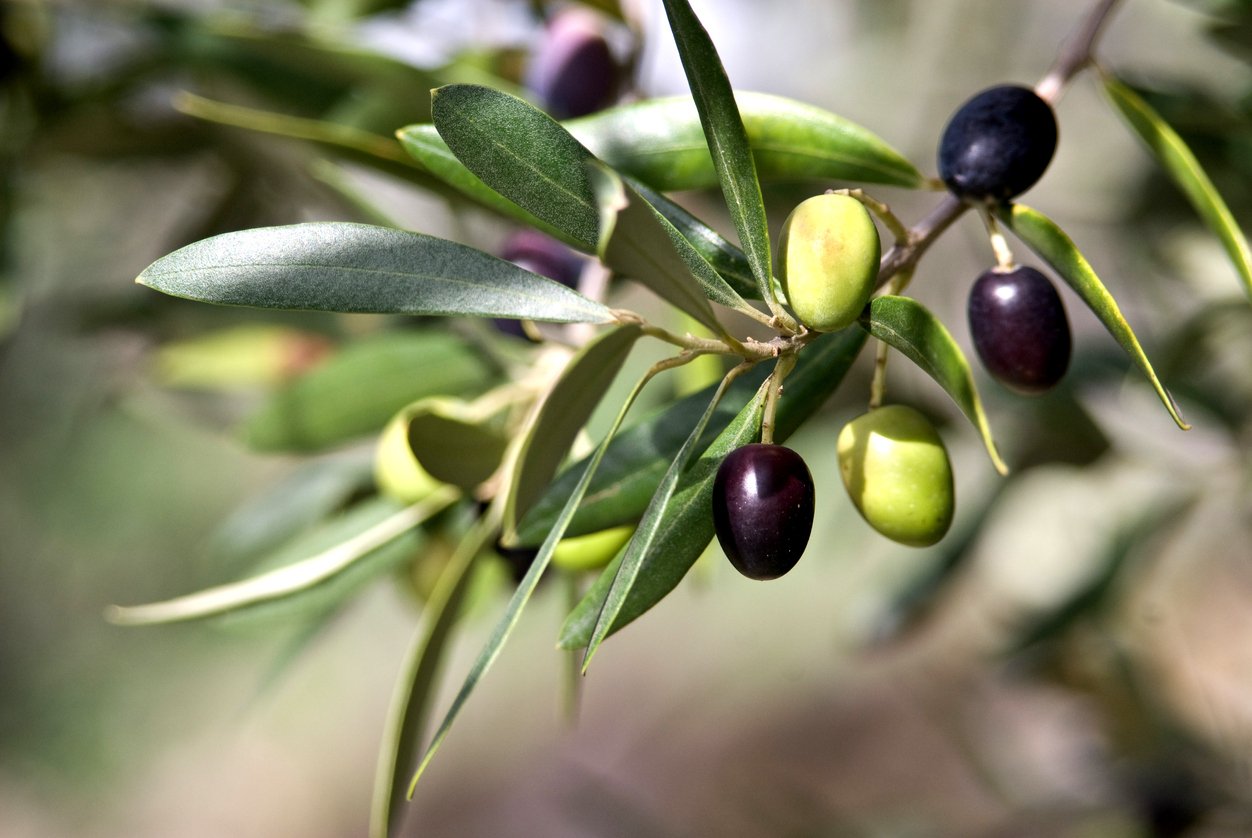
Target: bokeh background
1074,659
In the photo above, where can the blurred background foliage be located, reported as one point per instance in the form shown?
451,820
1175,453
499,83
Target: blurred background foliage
1071,660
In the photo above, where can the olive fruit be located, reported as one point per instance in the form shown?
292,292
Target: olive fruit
763,509
540,254
997,144
573,70
828,260
591,551
1019,328
397,473
897,473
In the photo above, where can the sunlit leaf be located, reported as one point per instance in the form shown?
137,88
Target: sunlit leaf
1043,236
1185,170
661,143
910,327
726,137
335,266
356,390
687,524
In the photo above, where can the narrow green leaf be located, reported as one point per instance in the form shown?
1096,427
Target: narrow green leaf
406,718
653,517
569,404
355,391
355,538
453,444
1042,235
661,143
508,621
1185,170
522,153
635,463
726,137
910,327
637,241
334,266
687,523
424,144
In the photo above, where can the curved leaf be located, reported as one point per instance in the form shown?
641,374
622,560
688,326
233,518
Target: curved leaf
355,391
687,524
910,327
562,415
1044,237
361,268
661,143
522,153
1185,170
453,445
727,140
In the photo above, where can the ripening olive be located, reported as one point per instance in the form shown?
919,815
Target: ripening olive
763,509
541,254
1019,328
997,144
828,260
397,473
897,473
573,69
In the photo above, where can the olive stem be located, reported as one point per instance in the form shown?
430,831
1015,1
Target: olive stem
1076,54
999,245
880,209
878,385
785,365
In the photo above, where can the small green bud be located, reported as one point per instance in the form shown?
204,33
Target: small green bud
828,261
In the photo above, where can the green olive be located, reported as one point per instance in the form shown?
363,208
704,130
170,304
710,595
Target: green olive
591,551
828,260
397,473
898,475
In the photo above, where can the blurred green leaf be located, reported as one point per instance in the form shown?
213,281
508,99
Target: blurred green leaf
1185,170
1042,235
637,241
661,142
454,445
562,415
910,327
305,565
634,464
359,388
239,357
335,266
687,524
726,138
523,154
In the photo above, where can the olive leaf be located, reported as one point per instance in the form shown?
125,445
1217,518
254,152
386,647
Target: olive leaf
686,524
453,444
910,327
1185,170
360,387
727,140
661,143
1044,237
336,266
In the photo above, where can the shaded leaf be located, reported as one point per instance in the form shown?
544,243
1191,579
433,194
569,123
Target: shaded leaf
522,153
452,444
910,327
687,523
1185,170
1042,235
359,388
562,415
726,137
335,266
661,142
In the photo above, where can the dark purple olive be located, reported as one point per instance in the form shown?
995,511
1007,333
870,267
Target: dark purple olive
1019,329
997,144
573,70
541,254
763,509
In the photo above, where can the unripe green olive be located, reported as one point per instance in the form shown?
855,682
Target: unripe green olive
897,472
397,473
592,551
828,260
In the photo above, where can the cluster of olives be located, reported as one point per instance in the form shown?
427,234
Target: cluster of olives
892,461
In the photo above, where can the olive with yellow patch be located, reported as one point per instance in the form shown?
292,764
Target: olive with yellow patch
397,473
828,261
897,472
